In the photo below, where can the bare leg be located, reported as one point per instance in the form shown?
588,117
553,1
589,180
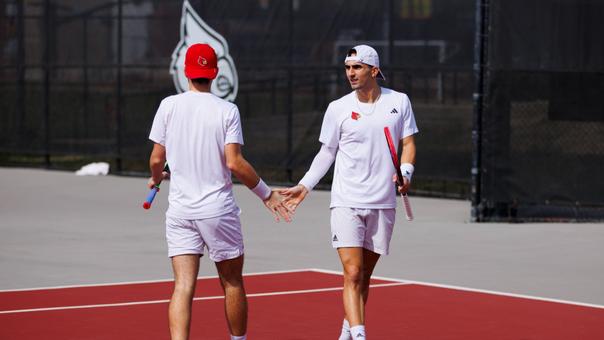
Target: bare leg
370,259
352,263
235,302
186,268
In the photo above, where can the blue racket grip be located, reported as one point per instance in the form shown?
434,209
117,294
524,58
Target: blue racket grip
150,197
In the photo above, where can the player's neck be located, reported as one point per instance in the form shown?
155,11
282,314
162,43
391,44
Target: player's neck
369,95
199,88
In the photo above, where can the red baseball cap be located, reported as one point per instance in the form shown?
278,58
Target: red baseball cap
200,62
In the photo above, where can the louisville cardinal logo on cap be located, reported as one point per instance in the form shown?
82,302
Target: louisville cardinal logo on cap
201,62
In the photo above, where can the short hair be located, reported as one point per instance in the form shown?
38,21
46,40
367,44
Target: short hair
201,81
351,52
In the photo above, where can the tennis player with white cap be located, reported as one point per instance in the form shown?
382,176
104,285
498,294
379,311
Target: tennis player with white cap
363,196
200,136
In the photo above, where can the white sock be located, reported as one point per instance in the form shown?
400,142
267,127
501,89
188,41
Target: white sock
345,335
358,332
241,337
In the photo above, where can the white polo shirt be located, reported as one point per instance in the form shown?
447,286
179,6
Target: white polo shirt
363,170
194,127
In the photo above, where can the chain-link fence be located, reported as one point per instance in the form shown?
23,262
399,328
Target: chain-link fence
81,80
540,115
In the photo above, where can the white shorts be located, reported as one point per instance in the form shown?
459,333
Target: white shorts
221,235
367,228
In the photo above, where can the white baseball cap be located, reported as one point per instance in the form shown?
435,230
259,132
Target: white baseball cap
366,55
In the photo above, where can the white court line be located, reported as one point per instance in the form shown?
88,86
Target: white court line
148,281
291,292
475,290
325,271
335,272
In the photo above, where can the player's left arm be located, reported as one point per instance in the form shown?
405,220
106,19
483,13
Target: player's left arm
407,162
246,173
239,166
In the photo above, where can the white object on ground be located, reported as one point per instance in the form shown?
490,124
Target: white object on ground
94,169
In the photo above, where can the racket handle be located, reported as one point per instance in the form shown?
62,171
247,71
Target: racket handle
150,197
407,205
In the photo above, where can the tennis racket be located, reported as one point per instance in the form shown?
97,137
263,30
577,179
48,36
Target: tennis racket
153,192
399,175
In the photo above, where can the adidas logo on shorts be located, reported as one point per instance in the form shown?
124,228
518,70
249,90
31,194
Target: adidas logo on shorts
335,238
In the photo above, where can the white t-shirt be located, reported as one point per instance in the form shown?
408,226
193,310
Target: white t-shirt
194,127
363,170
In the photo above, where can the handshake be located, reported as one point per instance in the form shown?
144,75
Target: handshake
282,203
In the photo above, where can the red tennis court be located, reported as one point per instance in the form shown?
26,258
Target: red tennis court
293,305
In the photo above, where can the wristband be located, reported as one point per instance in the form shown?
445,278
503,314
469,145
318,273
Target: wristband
407,170
262,190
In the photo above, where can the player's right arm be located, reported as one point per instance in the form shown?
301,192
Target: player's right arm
244,171
319,167
157,161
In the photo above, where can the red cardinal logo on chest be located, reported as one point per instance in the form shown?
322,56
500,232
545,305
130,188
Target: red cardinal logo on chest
355,115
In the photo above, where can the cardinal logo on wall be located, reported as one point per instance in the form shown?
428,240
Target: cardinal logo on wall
194,30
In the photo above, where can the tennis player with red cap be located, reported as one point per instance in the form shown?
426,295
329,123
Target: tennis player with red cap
199,135
363,197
